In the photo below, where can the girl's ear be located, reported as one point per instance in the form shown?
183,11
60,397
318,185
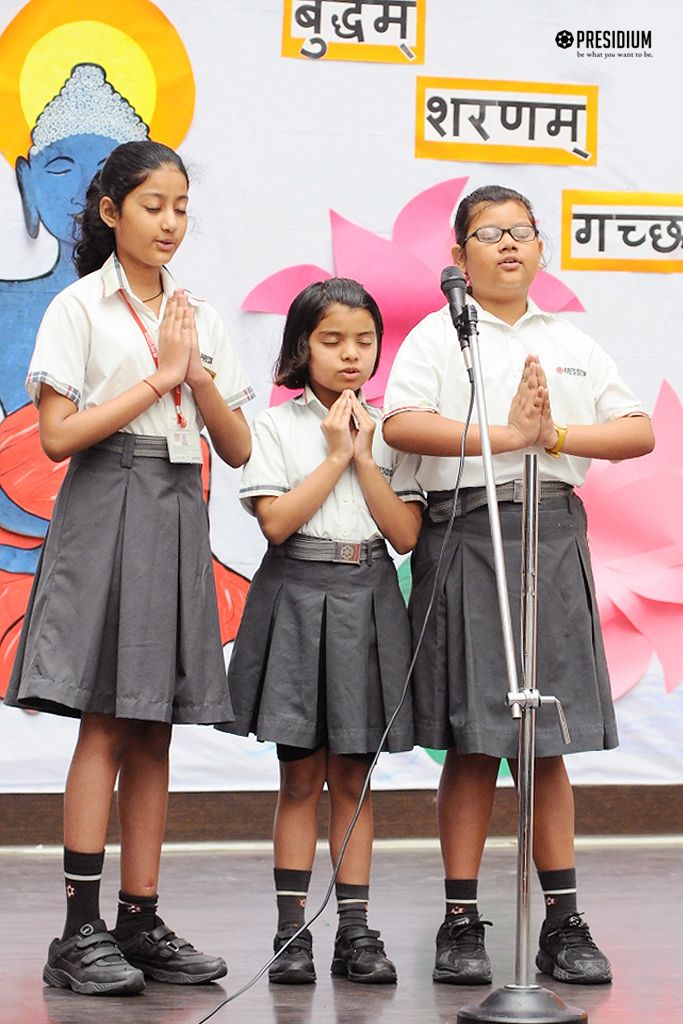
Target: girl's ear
459,259
542,263
108,212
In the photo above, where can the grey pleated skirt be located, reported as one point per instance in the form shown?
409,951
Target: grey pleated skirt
321,656
460,683
122,619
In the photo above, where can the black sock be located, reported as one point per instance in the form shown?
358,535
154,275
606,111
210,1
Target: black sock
291,890
82,875
559,893
352,904
136,914
461,896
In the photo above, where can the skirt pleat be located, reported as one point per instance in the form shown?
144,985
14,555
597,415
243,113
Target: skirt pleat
315,662
460,679
123,619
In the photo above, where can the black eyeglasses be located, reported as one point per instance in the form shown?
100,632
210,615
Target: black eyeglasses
491,234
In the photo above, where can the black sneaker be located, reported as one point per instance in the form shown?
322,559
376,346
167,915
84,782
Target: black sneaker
567,952
359,956
461,958
90,962
295,966
161,955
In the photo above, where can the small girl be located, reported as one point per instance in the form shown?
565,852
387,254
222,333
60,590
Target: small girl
586,412
322,652
122,626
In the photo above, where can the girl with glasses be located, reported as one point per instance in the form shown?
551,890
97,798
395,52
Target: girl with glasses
549,387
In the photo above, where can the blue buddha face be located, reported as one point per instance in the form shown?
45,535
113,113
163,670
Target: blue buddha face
53,182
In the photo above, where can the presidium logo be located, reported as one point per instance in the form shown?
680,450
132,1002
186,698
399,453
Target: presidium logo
605,43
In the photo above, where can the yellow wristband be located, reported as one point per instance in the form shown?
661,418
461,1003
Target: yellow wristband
556,450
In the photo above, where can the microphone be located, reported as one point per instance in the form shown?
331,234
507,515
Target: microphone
454,287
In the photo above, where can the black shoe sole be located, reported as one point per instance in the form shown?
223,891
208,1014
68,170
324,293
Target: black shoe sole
293,976
547,965
181,977
57,978
383,976
450,978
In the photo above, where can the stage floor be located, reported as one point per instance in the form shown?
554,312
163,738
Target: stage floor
221,899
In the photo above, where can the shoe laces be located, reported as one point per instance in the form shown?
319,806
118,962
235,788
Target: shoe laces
574,932
466,932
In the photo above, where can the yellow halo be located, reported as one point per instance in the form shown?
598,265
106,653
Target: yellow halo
49,62
138,47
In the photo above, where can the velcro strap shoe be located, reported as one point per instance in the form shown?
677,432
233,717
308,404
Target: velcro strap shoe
162,955
359,956
295,965
91,962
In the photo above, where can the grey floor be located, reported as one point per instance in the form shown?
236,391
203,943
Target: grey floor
221,899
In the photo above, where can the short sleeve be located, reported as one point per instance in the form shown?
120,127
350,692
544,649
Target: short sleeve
416,377
399,468
221,360
404,477
61,350
611,394
265,472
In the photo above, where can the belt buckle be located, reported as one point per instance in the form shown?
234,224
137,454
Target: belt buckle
347,551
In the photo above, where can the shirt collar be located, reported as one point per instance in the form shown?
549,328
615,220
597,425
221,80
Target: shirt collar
113,278
532,310
309,399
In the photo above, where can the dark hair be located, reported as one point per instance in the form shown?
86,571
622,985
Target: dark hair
306,312
125,168
488,194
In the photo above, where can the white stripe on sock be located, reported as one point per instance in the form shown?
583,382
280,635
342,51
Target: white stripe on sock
343,903
83,878
460,901
558,892
290,892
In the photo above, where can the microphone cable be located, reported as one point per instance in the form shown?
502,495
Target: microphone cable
366,784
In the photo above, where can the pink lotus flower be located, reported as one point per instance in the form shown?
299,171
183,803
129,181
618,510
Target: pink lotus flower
402,273
634,518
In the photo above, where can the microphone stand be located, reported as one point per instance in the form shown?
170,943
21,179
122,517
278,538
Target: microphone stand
521,1002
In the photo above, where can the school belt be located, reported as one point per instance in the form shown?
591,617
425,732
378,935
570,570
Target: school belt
440,503
152,447
317,549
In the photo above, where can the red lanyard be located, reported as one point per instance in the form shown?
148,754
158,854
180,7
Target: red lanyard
151,345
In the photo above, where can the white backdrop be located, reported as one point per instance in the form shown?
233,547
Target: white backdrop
274,145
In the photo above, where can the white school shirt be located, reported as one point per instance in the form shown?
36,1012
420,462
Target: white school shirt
288,444
429,375
90,349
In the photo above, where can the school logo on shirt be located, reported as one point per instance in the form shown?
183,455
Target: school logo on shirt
572,371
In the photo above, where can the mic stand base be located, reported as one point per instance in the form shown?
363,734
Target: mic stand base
516,1004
